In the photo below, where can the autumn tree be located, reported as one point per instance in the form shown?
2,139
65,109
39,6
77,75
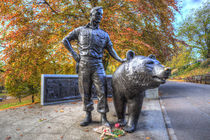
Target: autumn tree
33,30
183,57
195,31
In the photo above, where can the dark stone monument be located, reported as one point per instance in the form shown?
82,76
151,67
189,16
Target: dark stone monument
57,88
129,83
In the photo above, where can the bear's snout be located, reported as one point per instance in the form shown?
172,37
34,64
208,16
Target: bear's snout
167,72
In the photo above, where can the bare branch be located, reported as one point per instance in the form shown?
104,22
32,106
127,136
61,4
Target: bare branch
45,2
93,2
82,9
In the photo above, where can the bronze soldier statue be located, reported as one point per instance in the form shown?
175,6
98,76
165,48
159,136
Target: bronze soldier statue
92,42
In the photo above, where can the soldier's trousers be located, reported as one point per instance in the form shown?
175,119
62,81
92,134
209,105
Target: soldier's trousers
92,72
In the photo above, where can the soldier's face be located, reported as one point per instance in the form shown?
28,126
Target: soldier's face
97,15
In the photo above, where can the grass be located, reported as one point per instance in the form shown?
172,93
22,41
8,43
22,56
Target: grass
2,94
195,69
11,103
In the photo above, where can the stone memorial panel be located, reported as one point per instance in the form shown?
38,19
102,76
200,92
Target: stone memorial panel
57,88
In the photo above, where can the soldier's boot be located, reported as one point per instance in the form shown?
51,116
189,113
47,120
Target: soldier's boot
104,120
87,120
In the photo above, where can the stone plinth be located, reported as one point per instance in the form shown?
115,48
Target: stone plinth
152,93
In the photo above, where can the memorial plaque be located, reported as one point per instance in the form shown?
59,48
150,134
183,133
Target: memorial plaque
64,88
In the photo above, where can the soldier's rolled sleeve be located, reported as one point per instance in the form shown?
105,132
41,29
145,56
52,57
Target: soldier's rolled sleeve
73,35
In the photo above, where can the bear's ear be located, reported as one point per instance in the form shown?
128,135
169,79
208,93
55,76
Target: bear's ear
152,56
130,55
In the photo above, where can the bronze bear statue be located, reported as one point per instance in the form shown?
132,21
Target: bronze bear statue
129,83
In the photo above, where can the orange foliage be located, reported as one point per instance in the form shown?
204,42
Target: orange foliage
33,30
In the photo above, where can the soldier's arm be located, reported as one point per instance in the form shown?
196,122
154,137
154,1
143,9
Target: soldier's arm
112,52
66,41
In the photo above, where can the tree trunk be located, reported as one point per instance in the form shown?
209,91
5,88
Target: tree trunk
208,53
32,98
93,3
19,99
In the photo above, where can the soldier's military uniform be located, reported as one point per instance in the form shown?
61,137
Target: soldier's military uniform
92,42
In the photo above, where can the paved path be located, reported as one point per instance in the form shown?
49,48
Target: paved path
56,122
188,107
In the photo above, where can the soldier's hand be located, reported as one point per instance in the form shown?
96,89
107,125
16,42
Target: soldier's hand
123,60
77,59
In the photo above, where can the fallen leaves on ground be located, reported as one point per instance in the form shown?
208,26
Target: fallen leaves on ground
30,107
86,130
73,102
40,120
8,138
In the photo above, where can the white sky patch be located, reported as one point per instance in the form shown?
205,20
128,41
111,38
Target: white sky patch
186,9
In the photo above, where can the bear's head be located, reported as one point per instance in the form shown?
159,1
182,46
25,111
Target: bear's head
145,71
